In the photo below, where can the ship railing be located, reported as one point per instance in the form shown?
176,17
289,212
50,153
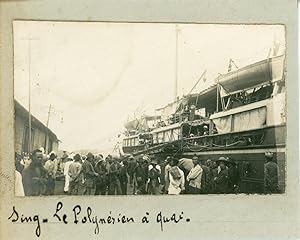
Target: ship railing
252,137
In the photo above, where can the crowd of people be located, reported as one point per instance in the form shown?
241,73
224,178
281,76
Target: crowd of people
92,174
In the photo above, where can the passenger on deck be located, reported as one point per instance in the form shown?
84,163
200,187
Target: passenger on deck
205,130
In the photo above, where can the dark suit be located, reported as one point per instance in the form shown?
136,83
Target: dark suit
271,177
34,179
222,181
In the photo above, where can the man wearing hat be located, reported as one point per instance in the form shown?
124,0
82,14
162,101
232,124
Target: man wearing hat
131,166
101,180
44,158
186,165
124,176
61,163
51,168
234,176
66,172
206,177
75,170
153,177
176,178
215,170
221,180
271,171
34,176
113,177
140,177
166,169
89,174
194,178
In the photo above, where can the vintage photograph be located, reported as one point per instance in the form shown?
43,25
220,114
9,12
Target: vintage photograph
108,108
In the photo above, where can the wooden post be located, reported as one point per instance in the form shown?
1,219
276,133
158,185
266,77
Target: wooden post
29,39
47,131
29,95
176,62
218,96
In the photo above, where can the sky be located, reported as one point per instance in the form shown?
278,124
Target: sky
97,75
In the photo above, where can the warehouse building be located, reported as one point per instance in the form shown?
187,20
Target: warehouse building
41,136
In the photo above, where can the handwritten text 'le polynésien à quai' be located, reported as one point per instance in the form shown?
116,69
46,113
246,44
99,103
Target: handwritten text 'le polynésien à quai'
81,216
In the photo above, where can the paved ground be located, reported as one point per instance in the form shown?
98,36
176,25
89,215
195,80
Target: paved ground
59,188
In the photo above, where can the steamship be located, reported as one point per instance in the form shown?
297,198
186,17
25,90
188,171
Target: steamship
241,116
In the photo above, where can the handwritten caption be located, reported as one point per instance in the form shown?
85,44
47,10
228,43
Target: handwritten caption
85,216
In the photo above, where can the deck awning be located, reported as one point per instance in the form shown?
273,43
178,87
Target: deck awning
204,99
141,123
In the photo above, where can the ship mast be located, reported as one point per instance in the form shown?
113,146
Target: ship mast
176,62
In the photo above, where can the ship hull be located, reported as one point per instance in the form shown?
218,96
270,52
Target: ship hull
248,154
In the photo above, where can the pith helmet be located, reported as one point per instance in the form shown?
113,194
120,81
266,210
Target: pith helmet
269,155
222,159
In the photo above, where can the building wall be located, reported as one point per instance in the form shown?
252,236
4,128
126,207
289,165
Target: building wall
55,147
19,132
39,138
39,135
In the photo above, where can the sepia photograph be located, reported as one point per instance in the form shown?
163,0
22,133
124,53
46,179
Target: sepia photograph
110,108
